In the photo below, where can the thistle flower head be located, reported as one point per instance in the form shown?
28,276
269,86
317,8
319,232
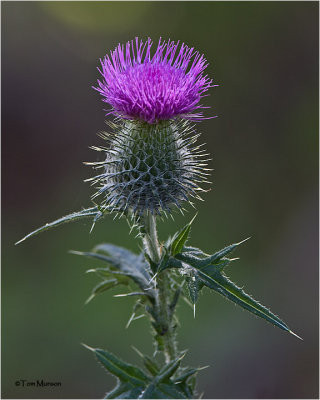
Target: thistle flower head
167,85
151,161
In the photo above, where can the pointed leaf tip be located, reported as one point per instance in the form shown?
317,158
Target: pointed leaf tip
78,253
127,373
242,241
89,212
294,334
91,297
87,347
221,284
137,351
180,238
194,217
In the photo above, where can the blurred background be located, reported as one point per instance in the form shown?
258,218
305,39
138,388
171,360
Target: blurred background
264,145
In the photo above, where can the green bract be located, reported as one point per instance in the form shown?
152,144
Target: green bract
149,168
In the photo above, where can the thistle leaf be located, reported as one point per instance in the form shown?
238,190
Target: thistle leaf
125,372
124,391
162,386
171,391
127,260
107,273
213,278
162,391
109,260
202,269
89,212
153,265
198,259
216,257
150,364
179,239
174,301
151,392
133,383
117,252
164,262
186,389
124,262
103,286
168,370
184,376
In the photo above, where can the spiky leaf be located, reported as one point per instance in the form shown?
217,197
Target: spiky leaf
180,239
194,285
218,281
124,371
105,285
128,262
125,391
95,212
199,259
162,391
162,386
202,269
123,262
150,364
168,370
133,383
187,374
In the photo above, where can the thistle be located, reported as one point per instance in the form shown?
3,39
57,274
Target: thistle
151,161
150,164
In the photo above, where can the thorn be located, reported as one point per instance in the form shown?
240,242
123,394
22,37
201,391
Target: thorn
194,311
137,351
87,347
205,367
89,299
294,334
138,317
91,229
19,241
154,276
243,241
193,218
78,253
184,352
130,320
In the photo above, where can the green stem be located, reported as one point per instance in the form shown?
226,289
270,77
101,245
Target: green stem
150,240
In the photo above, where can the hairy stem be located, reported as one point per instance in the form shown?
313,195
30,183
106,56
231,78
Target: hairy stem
150,240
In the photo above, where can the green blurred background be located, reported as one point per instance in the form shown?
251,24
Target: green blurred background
264,56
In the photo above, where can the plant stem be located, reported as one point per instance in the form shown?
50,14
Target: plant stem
150,238
152,247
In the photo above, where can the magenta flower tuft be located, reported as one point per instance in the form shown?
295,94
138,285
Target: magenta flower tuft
166,85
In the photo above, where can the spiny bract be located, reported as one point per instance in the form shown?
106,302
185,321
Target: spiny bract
149,167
